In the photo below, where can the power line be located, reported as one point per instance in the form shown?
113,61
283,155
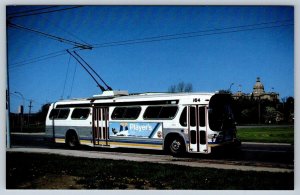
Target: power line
74,43
195,32
165,38
32,14
36,58
41,58
187,35
51,55
64,30
32,10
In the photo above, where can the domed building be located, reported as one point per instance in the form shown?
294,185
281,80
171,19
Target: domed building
258,88
258,93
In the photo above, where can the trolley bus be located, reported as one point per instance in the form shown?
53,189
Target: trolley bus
174,122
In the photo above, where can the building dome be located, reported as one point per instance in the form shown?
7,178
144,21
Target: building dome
258,87
258,93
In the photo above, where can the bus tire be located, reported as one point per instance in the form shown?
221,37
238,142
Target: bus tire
176,146
72,139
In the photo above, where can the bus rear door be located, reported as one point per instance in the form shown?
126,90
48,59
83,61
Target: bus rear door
197,128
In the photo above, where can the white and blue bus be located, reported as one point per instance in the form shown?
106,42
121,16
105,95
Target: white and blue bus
174,122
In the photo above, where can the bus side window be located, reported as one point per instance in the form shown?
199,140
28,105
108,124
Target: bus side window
63,114
183,116
118,112
59,113
80,113
130,113
152,112
168,112
160,112
54,113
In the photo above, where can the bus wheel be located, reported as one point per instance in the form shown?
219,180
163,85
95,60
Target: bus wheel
176,146
72,139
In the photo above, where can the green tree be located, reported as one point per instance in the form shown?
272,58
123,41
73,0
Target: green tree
41,115
181,87
287,108
270,114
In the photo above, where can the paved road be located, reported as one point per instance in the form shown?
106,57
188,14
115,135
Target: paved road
252,156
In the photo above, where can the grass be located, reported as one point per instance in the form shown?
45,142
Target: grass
267,134
45,171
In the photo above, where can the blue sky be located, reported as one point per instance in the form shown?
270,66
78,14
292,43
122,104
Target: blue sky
210,62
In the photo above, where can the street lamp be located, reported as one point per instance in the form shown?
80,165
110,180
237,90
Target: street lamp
16,92
230,87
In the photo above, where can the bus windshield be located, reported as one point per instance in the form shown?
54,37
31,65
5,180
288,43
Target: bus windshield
220,113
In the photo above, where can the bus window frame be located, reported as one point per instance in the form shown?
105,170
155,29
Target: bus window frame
162,106
126,107
81,118
57,116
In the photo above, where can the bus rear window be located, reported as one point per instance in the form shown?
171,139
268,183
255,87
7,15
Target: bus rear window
59,113
80,113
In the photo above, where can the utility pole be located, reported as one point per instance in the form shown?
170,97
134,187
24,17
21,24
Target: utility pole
30,106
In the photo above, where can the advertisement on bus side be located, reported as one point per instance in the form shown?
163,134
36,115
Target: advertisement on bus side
136,129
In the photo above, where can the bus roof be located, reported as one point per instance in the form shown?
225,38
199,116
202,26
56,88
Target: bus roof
185,98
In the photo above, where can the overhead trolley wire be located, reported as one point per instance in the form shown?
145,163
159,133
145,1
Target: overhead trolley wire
216,31
16,14
192,34
73,35
54,54
45,12
32,10
37,59
74,43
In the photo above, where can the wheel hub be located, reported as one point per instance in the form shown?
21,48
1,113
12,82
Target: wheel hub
175,145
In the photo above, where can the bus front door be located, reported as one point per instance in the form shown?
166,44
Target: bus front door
197,128
100,126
